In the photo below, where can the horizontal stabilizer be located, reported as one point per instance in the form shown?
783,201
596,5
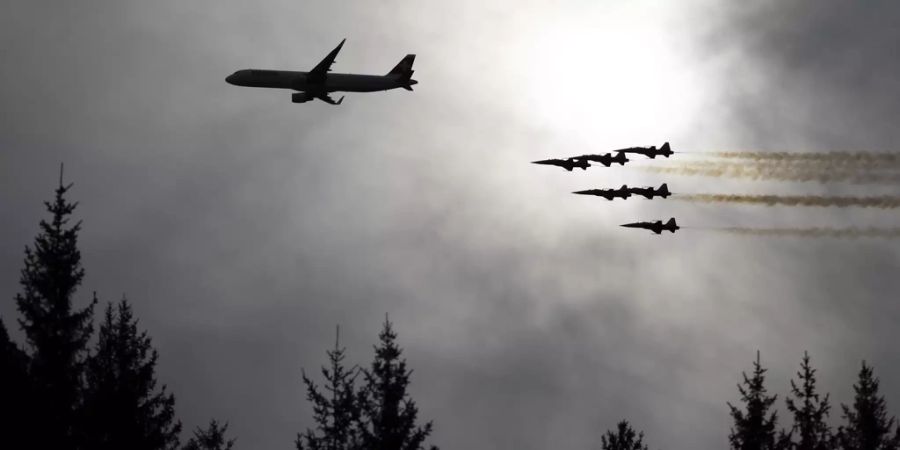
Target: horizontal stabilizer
327,99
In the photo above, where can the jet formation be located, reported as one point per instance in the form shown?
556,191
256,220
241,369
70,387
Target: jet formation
318,83
624,192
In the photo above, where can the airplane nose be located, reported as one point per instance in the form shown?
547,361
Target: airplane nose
230,79
411,82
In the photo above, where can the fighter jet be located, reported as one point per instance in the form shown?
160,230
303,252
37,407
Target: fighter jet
567,164
657,227
608,194
318,82
649,192
650,152
607,159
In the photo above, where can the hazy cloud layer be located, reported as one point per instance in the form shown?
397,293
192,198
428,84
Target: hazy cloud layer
244,227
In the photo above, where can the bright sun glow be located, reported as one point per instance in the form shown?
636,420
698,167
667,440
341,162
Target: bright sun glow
611,76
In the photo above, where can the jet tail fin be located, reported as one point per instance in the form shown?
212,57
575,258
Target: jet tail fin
671,225
665,148
664,190
404,67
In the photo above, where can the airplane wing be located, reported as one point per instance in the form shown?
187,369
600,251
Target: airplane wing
318,73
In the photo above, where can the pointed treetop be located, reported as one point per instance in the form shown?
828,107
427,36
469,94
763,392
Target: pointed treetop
867,423
56,331
810,411
624,438
211,438
754,424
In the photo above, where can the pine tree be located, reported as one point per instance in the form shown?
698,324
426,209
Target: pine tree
16,414
754,428
336,411
57,333
123,408
212,438
867,424
624,438
810,430
388,413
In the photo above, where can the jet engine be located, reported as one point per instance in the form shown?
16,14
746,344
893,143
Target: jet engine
301,97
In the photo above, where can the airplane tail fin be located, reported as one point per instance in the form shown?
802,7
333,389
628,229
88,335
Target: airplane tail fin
404,67
664,190
621,159
665,148
671,225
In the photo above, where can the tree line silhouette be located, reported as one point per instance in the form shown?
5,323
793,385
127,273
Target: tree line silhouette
69,388
866,423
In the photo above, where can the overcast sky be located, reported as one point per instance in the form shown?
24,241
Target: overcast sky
243,228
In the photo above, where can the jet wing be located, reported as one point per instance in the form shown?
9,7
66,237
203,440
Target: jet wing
318,73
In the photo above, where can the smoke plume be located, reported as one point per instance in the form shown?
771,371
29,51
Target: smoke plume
778,173
842,233
881,202
862,157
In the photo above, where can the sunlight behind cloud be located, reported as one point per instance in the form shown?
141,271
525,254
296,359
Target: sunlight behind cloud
615,69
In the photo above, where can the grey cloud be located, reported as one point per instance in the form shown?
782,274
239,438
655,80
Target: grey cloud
244,227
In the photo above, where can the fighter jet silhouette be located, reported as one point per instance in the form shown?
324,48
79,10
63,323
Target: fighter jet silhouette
567,164
608,194
650,152
656,227
318,82
649,192
607,159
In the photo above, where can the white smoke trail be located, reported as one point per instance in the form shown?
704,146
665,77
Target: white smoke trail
880,202
822,232
787,173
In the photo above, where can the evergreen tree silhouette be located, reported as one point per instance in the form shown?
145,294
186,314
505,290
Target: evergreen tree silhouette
16,414
212,438
335,411
123,408
754,427
624,438
57,334
867,424
388,413
810,430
